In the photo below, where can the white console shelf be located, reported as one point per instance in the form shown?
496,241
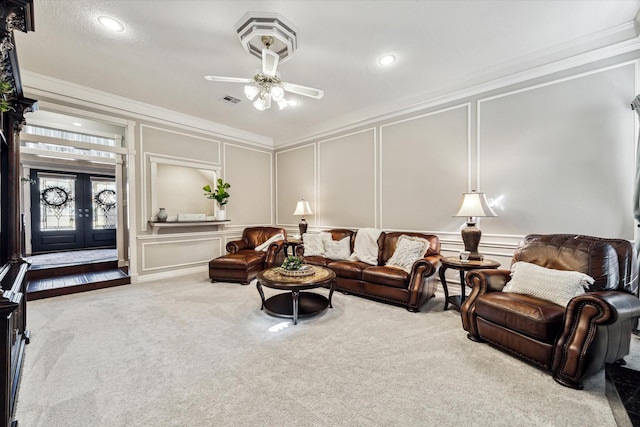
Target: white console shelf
157,226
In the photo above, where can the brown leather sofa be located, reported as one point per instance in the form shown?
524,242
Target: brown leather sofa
387,284
572,342
243,262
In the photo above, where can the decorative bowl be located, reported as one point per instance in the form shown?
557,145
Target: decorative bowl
305,270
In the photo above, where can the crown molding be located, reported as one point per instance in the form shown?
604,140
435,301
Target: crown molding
39,85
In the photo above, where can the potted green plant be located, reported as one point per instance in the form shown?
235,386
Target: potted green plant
5,91
5,105
220,194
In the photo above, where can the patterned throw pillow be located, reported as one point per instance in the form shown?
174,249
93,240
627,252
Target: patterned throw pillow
408,250
557,286
314,244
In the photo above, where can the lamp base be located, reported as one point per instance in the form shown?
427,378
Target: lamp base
471,238
302,227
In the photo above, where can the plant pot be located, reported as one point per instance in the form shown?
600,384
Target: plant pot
221,215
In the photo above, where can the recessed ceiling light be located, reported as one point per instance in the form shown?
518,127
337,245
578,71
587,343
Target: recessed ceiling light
110,23
387,60
76,124
292,102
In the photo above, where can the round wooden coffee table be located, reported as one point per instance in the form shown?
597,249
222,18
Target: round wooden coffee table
295,304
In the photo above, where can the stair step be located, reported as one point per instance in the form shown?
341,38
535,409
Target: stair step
56,284
39,272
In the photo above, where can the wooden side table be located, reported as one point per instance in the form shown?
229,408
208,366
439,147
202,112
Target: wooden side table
293,244
462,266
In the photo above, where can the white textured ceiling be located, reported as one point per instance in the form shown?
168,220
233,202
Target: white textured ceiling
442,46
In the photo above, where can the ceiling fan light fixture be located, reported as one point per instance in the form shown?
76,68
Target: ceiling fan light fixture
277,93
251,92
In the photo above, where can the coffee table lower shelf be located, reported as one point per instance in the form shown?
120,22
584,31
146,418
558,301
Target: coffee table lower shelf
309,304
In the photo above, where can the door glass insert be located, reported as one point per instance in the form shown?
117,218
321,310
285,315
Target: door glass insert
57,203
103,194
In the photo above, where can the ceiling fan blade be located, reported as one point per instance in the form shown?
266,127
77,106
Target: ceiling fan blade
228,79
303,90
270,61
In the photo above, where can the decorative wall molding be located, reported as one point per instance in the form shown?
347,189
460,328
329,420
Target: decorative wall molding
315,183
271,175
176,243
63,91
376,185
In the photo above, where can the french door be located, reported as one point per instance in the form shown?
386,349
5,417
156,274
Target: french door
72,211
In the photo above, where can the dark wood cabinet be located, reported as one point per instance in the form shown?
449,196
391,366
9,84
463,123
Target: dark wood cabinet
13,334
15,15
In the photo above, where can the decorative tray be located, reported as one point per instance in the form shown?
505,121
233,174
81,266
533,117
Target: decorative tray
305,270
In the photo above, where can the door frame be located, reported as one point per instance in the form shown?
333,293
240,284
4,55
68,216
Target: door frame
84,235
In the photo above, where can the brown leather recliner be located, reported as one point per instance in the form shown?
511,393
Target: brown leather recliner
243,262
572,342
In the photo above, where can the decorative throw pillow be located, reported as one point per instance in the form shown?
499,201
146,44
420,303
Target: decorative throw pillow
337,249
270,240
408,250
557,286
314,244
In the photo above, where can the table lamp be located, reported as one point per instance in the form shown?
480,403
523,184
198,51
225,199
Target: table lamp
302,209
474,205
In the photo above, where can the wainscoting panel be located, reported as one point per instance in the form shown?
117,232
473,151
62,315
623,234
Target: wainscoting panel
424,170
347,180
560,156
170,253
250,173
295,180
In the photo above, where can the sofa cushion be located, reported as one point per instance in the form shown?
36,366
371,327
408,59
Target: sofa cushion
525,314
408,250
348,269
557,286
241,260
317,260
387,276
337,249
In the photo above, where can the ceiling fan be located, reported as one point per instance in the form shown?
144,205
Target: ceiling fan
266,85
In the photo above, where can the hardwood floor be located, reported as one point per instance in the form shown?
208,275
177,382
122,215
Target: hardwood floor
73,275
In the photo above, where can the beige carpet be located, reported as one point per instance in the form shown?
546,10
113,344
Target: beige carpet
187,352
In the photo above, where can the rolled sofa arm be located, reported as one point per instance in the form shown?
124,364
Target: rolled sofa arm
421,269
272,258
481,282
236,245
588,315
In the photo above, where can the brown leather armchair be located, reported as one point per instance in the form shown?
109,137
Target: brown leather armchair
243,262
572,342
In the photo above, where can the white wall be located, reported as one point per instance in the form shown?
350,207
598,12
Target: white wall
559,152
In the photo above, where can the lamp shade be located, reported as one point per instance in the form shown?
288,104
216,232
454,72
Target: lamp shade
475,205
303,208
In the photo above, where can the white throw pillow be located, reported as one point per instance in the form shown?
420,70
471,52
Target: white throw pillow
270,240
314,244
557,286
408,250
337,249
